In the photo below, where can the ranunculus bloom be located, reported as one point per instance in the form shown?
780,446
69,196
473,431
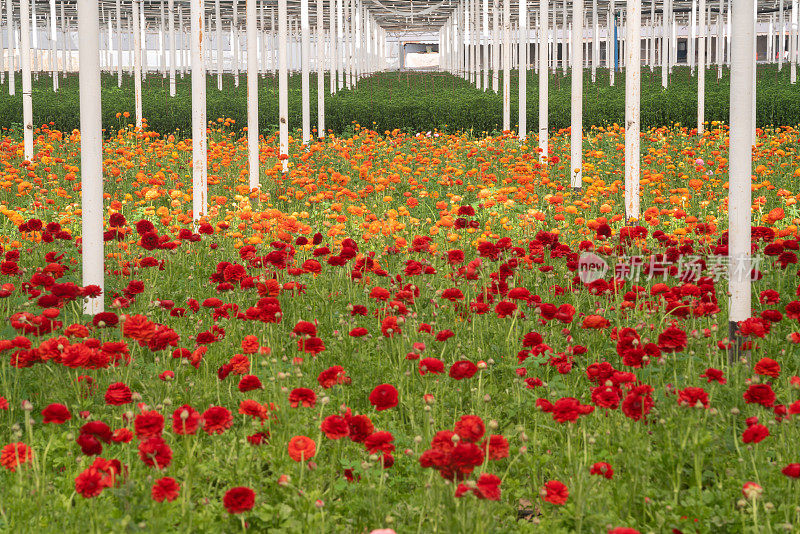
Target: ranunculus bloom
302,448
383,397
165,489
56,413
155,452
238,500
767,367
603,469
185,420
118,394
216,420
463,369
554,492
15,454
791,470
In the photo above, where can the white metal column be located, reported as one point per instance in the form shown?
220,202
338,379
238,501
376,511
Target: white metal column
305,60
320,69
506,65
543,79
137,63
252,94
199,147
740,164
27,104
576,141
701,71
91,152
632,106
283,85
523,69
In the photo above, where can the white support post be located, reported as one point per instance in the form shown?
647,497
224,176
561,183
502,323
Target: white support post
506,65
665,45
652,35
523,69
320,69
595,40
119,41
576,130
612,43
701,72
91,153
220,58
740,166
183,48
633,68
340,39
172,52
793,44
199,123
27,105
496,48
720,46
12,45
305,96
544,39
235,42
564,46
485,48
781,35
53,35
283,85
143,37
252,95
692,37
137,63
162,49
333,37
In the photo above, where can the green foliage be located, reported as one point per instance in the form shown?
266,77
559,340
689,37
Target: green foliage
413,102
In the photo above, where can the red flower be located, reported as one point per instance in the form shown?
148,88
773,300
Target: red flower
383,397
165,489
155,452
390,326
89,483
554,492
714,375
302,448
638,402
216,420
431,365
249,383
118,394
332,376
791,470
238,500
760,394
185,420
302,397
56,413
463,369
595,321
602,469
755,433
148,425
692,396
379,442
15,454
470,428
566,409
496,448
360,427
139,327
672,340
767,367
335,427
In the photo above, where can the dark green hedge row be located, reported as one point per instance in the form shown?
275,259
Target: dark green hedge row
412,102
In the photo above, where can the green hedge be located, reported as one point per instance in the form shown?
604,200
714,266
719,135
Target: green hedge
411,101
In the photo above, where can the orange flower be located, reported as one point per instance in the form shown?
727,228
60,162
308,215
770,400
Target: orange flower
15,454
302,448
